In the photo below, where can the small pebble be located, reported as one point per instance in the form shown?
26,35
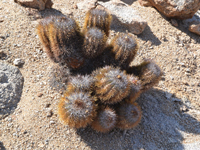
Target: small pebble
18,62
49,113
188,70
174,22
75,6
47,105
39,94
52,122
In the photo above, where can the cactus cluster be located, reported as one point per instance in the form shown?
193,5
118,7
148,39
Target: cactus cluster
100,86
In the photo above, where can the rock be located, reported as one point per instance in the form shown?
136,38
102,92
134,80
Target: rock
39,94
87,4
125,17
194,20
1,54
145,3
38,4
195,28
174,22
18,62
49,112
11,84
180,9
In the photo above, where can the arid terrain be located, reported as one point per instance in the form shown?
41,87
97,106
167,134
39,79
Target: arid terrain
171,110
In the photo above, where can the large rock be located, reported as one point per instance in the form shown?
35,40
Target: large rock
11,84
125,17
180,9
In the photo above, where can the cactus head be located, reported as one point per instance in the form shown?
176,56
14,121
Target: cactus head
148,72
65,37
77,109
124,47
112,85
80,83
129,115
98,18
61,36
105,120
43,33
94,42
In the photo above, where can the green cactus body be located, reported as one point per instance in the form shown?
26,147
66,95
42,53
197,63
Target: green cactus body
77,109
105,120
98,18
129,115
94,42
125,48
112,85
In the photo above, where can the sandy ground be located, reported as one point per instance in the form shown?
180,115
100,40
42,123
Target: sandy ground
35,123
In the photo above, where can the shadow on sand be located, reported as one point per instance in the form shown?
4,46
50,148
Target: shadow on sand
162,127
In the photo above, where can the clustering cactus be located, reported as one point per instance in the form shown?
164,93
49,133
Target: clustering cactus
101,88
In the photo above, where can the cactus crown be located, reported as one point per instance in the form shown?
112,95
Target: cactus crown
112,85
107,118
124,47
129,115
98,18
80,83
79,105
94,43
77,109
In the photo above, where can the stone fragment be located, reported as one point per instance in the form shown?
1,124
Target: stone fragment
38,4
180,9
11,84
87,4
195,28
18,62
125,17
174,22
39,94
